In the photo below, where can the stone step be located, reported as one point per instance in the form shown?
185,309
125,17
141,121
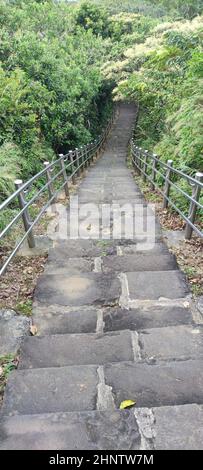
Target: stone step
77,349
79,388
57,319
64,249
157,248
164,428
109,264
150,285
81,248
164,384
87,430
138,262
51,390
158,344
173,342
78,289
148,316
70,266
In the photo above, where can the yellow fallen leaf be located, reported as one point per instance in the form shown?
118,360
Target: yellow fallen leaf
33,330
127,404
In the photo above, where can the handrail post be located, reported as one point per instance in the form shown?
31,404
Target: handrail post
193,207
136,163
139,163
92,153
72,166
134,155
145,165
153,176
96,151
87,155
82,157
167,184
66,189
25,216
49,180
77,154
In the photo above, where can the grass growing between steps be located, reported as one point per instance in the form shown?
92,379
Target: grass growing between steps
7,364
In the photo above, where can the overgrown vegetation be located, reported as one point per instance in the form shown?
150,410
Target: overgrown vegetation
60,61
60,64
52,94
7,364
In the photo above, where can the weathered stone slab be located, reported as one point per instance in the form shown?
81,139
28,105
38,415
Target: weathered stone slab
179,427
155,284
13,328
51,390
173,342
81,248
172,383
70,265
146,317
91,430
55,319
157,248
139,262
67,350
80,289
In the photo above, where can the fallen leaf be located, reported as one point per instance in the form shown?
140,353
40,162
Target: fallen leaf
1,371
127,404
33,330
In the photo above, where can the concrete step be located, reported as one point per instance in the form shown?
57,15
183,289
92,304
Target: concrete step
77,349
156,284
84,388
164,428
78,289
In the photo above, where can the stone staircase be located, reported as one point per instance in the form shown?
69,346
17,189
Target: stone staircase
114,323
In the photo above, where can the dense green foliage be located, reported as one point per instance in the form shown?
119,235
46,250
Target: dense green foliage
52,94
60,61
165,75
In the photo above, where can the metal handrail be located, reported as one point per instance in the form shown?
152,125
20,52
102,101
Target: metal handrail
144,161
155,157
76,161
